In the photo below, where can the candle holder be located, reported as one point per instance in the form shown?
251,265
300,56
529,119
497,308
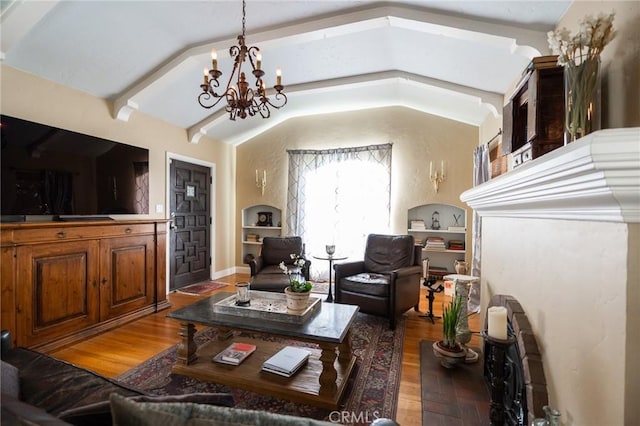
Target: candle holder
242,294
496,351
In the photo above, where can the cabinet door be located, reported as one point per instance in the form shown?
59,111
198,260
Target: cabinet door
507,128
126,275
57,292
532,111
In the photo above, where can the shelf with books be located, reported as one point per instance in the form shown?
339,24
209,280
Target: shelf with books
259,221
441,229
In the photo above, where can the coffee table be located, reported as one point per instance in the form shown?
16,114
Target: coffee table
321,382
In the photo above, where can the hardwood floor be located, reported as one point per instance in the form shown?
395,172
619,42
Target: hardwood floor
116,351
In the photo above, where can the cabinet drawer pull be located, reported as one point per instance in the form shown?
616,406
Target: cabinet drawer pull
128,231
61,234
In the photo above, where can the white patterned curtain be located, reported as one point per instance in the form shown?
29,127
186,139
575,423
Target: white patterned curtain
481,174
338,196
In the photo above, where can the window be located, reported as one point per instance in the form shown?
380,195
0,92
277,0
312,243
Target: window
338,197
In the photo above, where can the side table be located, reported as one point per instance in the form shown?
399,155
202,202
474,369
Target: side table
330,259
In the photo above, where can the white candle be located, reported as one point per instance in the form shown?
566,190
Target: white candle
497,322
264,177
430,168
256,175
214,59
259,60
442,167
278,77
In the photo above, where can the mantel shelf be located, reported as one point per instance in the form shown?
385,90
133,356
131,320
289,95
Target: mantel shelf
596,178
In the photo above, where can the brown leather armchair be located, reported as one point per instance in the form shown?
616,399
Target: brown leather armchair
265,272
387,281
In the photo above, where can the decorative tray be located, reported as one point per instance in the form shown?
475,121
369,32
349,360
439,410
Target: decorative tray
269,306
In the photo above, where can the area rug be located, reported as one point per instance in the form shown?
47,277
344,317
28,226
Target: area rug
320,287
452,396
200,288
372,390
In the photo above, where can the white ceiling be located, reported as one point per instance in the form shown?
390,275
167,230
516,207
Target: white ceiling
454,59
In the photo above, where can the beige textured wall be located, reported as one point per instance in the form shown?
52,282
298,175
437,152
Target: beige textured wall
416,137
31,98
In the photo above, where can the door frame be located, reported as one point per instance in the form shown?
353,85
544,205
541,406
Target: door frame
212,201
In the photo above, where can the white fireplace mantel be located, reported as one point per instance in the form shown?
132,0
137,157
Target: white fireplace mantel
596,178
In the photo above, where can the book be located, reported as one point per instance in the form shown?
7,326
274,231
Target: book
287,361
235,353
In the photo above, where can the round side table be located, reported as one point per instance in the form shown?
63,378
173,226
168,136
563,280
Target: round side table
331,259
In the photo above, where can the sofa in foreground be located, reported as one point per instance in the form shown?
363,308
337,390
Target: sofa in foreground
38,389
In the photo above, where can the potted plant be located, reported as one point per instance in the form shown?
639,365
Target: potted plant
299,289
449,350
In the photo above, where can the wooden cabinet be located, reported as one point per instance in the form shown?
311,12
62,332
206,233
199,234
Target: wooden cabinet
533,119
64,282
126,275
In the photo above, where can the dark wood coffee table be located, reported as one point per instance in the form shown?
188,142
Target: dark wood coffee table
321,382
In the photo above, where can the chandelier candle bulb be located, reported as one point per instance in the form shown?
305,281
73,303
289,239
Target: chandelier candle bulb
206,76
214,60
258,61
278,77
497,322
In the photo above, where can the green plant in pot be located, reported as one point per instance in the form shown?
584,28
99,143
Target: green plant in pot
299,289
449,350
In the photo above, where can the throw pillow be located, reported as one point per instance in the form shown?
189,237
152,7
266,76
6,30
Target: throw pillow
128,413
10,380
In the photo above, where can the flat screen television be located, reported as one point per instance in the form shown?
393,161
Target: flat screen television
47,171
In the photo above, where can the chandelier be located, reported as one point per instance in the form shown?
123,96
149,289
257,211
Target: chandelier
242,100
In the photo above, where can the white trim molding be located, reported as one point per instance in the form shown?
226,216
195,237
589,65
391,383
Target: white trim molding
596,178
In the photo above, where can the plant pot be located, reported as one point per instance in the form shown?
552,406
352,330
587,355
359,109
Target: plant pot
296,302
449,358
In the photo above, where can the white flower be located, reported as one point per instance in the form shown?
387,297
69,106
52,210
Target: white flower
593,36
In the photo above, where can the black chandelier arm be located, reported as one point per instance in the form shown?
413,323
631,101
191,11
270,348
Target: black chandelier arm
281,99
252,53
205,99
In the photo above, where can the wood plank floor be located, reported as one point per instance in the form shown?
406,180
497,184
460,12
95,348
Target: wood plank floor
116,351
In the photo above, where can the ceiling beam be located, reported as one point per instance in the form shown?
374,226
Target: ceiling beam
521,41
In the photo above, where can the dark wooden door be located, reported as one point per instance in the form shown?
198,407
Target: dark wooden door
190,212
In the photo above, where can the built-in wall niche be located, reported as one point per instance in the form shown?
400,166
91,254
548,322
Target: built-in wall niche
259,221
441,229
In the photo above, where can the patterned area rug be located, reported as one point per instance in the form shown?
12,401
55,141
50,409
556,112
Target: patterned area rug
320,287
200,288
372,391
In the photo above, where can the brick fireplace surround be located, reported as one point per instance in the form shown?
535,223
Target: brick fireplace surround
530,357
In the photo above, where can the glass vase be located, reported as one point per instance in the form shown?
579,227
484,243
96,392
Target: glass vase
582,94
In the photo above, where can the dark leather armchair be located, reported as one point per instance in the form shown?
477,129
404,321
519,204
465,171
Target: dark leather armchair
387,281
265,272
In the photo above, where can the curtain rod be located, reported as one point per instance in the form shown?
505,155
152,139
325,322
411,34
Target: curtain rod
493,138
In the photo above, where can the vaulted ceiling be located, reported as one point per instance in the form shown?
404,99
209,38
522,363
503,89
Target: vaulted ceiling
454,59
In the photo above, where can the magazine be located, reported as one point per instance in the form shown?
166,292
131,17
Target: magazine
235,353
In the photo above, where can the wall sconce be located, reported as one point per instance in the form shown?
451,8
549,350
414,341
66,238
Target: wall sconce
261,184
438,177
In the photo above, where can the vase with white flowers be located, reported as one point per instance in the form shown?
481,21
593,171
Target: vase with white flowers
580,57
299,289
